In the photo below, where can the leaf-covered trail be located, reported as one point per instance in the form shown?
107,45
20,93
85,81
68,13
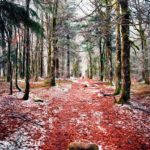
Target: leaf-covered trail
71,112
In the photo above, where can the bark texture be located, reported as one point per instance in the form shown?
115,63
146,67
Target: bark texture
118,54
126,81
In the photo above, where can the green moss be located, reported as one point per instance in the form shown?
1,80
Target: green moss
117,91
121,101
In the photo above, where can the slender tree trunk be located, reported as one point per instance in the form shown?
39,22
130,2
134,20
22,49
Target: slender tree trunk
49,59
91,69
146,66
41,52
16,75
101,52
118,54
42,59
57,67
126,81
109,56
32,57
52,76
108,42
16,78
62,63
56,63
145,71
8,62
4,53
24,56
9,66
54,44
68,57
48,27
20,48
27,88
37,60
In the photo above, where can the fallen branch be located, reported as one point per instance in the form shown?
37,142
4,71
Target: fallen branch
115,100
138,108
24,118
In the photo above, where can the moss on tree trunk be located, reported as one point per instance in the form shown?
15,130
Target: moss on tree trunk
126,81
118,54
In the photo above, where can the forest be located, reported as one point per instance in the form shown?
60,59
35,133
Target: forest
74,75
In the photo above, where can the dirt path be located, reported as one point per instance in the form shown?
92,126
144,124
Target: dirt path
68,113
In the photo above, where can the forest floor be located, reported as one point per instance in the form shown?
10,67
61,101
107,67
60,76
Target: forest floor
74,110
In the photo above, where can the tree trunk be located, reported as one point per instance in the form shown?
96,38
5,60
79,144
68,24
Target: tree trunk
126,81
146,66
16,78
37,59
62,63
4,53
42,59
24,56
118,55
9,66
48,27
20,48
54,44
91,69
27,88
145,71
108,42
32,57
52,75
41,50
101,52
57,68
68,57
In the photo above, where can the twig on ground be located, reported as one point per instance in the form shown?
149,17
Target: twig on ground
24,118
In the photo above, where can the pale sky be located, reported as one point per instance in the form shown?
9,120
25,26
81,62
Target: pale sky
84,8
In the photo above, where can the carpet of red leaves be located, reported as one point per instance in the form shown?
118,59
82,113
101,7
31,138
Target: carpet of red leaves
74,111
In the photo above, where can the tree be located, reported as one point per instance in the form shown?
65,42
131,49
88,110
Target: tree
126,81
68,56
16,76
108,39
102,58
118,53
54,41
42,50
27,44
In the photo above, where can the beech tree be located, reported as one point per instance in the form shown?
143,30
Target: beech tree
118,52
108,39
125,50
54,42
27,44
